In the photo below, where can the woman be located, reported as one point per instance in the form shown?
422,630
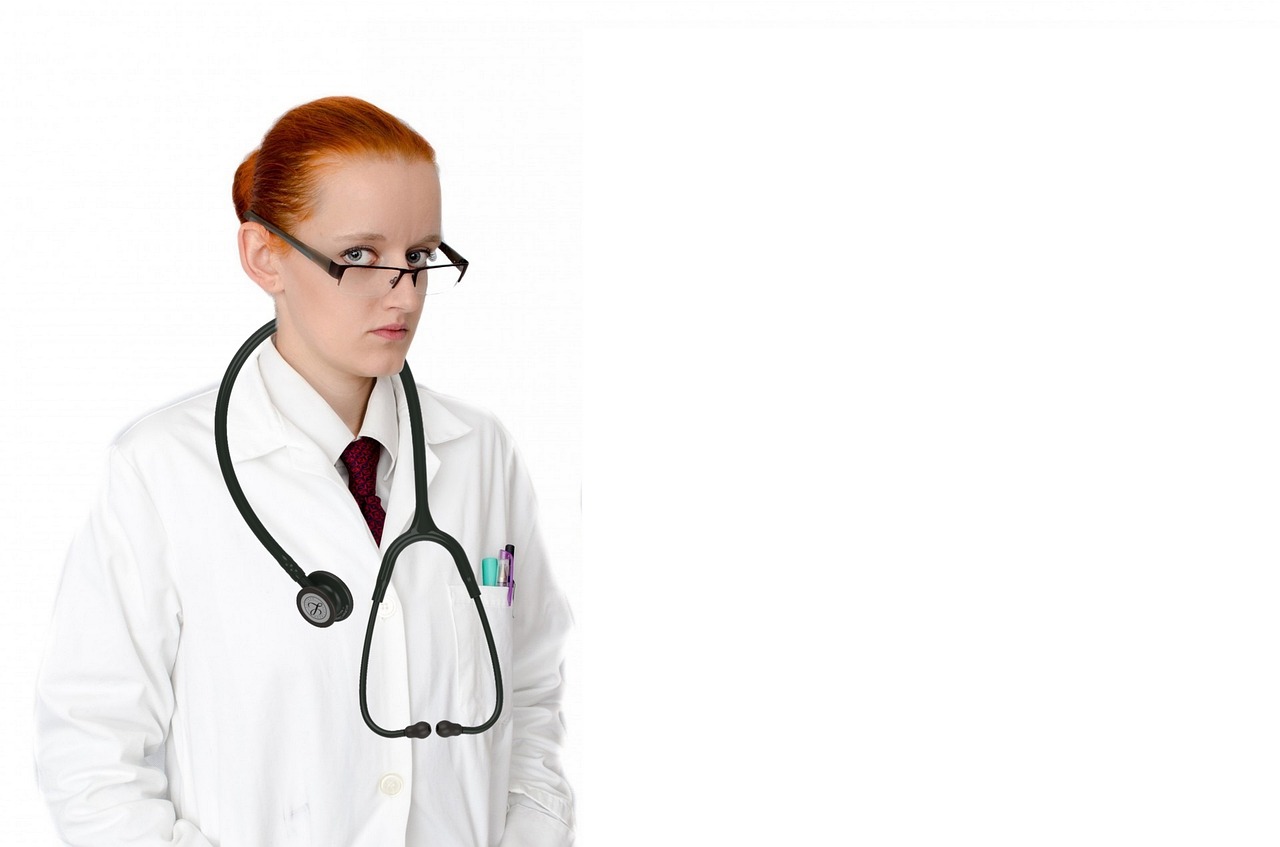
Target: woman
182,699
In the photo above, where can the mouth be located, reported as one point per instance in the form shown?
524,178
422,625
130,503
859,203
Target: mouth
394,332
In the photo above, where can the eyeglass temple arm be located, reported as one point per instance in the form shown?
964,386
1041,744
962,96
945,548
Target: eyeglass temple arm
456,258
333,268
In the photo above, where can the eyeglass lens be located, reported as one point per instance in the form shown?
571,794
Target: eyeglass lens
376,282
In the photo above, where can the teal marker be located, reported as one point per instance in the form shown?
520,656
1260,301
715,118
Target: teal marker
489,570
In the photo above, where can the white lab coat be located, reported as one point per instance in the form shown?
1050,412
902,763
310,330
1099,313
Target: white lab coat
183,700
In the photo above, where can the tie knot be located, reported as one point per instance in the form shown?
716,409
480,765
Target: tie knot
361,459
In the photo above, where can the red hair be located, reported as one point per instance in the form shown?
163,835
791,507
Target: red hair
278,181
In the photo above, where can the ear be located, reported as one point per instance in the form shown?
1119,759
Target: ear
259,261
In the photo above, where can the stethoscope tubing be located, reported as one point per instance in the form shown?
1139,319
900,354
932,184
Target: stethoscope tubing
421,528
396,547
221,408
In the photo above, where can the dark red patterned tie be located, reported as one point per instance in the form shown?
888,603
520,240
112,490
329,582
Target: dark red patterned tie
361,459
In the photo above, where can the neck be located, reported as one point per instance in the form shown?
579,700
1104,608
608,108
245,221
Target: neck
347,395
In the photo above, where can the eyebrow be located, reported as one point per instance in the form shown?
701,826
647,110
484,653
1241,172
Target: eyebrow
373,236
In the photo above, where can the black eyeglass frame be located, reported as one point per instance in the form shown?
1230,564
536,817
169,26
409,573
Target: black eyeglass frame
336,270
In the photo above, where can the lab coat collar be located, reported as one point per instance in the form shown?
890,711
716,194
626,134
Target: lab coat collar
302,407
255,428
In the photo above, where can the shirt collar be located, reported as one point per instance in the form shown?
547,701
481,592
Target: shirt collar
300,405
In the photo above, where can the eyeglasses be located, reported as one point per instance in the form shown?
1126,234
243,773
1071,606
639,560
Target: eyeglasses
372,281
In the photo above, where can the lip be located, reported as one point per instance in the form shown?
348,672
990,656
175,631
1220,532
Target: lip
392,331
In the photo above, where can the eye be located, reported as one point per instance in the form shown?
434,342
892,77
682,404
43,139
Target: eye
420,258
358,256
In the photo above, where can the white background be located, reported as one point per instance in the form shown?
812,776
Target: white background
913,364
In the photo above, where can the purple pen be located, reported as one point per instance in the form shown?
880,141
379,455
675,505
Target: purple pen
511,573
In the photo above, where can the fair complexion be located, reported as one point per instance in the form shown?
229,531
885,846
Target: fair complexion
368,211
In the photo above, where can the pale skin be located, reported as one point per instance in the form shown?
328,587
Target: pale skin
368,211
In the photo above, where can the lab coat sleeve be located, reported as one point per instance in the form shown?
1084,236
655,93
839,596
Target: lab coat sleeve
104,696
540,801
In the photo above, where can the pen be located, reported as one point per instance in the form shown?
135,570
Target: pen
511,573
504,567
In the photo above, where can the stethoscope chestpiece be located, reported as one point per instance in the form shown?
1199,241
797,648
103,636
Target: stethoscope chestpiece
326,600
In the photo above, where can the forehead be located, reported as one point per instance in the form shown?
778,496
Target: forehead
391,196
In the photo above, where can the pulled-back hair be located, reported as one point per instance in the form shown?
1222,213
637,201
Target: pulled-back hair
278,181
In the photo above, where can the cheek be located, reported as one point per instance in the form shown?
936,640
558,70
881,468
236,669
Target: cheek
330,323
315,313
323,306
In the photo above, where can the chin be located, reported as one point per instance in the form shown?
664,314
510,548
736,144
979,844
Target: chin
380,358
386,366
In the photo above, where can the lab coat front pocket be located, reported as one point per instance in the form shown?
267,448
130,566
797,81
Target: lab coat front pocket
475,671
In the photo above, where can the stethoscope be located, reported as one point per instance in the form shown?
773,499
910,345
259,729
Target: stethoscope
324,598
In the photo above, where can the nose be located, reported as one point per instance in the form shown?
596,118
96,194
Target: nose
403,294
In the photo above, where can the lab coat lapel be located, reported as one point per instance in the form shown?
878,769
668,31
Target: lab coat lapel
403,502
255,427
439,425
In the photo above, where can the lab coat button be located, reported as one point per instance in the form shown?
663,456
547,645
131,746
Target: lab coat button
386,609
391,785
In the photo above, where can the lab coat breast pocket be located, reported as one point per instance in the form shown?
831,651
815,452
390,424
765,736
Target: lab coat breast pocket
475,672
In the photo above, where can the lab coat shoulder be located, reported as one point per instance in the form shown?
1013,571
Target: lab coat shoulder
182,426
147,462
171,453
479,433
143,452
